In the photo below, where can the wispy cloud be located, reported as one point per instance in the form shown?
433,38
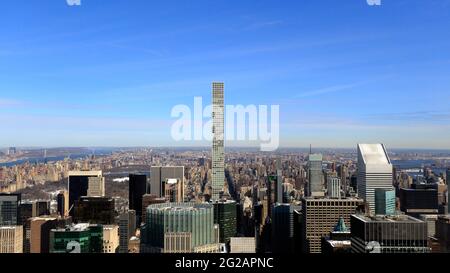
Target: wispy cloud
263,24
428,116
329,89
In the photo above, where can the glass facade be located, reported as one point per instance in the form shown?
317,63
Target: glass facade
90,239
385,201
9,209
196,219
225,217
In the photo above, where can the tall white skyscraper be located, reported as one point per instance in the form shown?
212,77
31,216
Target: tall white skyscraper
218,158
334,187
374,172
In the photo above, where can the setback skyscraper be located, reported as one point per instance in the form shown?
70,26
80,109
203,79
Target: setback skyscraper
79,183
374,172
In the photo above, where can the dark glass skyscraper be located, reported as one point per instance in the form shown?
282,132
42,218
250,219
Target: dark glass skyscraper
78,186
9,209
95,210
137,189
225,217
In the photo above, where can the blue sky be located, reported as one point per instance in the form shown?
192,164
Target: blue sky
107,73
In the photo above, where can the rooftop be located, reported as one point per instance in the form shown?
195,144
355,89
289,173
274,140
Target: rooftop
374,154
388,219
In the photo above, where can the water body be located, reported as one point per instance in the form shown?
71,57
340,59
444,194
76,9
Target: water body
48,159
417,166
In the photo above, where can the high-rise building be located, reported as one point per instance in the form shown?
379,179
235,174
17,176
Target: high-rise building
173,191
40,228
95,210
41,208
9,209
374,172
96,187
110,238
159,176
242,245
78,185
431,220
447,177
385,201
26,211
147,200
179,228
218,154
319,217
334,187
282,236
127,229
420,199
225,217
343,175
11,239
63,203
388,234
80,238
279,191
315,176
137,189
12,151
443,233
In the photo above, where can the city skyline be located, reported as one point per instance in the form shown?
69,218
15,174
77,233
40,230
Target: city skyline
109,74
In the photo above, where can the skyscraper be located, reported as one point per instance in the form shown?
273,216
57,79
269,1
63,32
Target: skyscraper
94,210
63,203
179,228
137,189
127,229
447,176
315,176
225,217
96,187
385,201
78,185
420,199
218,157
279,191
388,234
334,187
41,208
9,209
40,233
374,172
159,176
283,228
11,239
319,217
110,238
147,200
